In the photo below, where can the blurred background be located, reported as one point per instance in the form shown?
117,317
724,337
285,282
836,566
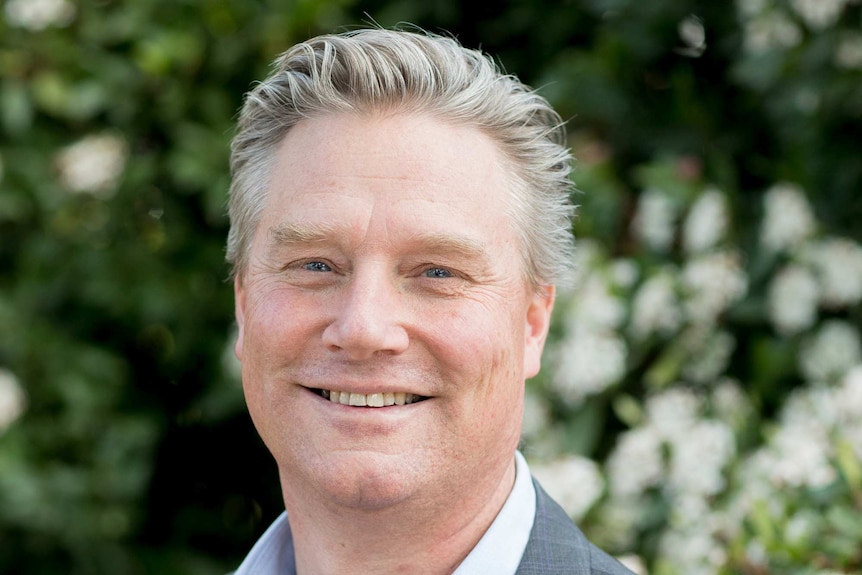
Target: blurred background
700,408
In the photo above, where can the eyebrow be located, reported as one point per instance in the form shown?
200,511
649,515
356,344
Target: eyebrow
287,233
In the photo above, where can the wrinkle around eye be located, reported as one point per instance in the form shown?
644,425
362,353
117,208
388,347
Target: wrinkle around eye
312,272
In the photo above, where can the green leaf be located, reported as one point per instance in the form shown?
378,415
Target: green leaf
16,109
850,466
846,521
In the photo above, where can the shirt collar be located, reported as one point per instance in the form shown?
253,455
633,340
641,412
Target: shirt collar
499,551
273,552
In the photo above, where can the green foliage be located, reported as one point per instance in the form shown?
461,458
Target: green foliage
129,450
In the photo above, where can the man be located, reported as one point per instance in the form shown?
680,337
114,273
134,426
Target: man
399,218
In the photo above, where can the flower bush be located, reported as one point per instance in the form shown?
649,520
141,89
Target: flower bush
701,479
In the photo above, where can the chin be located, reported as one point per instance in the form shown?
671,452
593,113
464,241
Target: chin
362,481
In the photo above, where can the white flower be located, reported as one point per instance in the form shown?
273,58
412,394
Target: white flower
689,510
811,408
693,35
574,482
706,224
92,165
619,519
770,30
37,15
798,454
849,398
655,219
802,457
730,404
727,397
831,352
793,299
655,307
536,416
692,551
714,282
624,272
595,307
819,14
588,255
837,263
673,412
788,219
636,462
633,563
709,355
848,55
834,413
589,363
756,555
801,451
755,475
800,527
12,399
699,456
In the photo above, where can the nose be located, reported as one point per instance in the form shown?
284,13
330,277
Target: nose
367,318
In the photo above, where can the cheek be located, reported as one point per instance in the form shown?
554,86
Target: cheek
498,358
499,406
276,332
494,344
276,317
505,389
487,357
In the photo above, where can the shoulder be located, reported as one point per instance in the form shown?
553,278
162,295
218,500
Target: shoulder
558,547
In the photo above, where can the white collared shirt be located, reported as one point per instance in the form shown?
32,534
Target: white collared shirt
499,551
501,547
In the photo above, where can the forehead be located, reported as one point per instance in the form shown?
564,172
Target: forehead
411,170
406,146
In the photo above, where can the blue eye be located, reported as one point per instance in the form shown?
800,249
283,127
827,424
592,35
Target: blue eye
317,267
438,273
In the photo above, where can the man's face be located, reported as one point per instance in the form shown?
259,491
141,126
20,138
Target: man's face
385,270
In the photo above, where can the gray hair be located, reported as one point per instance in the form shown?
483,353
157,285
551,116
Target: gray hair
372,70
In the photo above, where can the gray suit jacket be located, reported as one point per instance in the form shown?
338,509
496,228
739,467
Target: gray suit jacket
557,547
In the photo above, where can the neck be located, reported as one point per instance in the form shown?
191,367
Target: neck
413,537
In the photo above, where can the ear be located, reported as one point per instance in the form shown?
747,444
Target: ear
538,321
239,313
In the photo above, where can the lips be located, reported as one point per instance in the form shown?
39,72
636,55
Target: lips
369,399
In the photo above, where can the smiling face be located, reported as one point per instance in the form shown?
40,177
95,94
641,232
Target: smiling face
385,324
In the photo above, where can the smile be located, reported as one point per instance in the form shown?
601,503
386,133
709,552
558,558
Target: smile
369,399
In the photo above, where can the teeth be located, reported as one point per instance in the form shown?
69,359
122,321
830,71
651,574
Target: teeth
370,399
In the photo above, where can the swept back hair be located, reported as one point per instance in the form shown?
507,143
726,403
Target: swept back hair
395,71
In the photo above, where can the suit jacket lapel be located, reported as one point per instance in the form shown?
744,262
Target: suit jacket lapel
556,545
